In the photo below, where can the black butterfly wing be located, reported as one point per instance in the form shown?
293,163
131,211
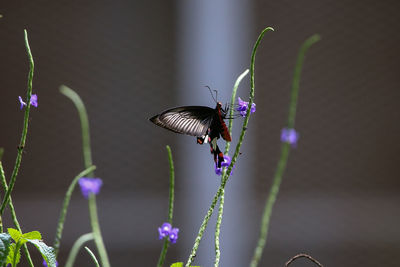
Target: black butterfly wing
190,120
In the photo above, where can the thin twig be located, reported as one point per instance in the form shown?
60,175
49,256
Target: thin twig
76,247
96,262
303,255
76,99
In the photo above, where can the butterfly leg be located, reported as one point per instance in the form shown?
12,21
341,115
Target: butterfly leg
218,155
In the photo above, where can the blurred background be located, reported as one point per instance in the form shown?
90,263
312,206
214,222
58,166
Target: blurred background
129,60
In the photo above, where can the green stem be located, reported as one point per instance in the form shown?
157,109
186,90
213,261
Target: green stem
171,205
171,185
24,129
63,213
5,187
296,78
273,193
218,229
227,173
87,154
96,262
98,239
285,148
221,202
75,248
13,213
161,259
232,109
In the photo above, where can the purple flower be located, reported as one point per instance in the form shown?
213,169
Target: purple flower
90,186
289,136
34,101
21,102
225,163
45,263
173,235
164,230
243,105
167,230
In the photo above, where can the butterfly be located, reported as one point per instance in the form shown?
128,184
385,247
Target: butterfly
205,123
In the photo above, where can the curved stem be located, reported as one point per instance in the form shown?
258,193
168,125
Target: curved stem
285,148
24,128
96,262
231,110
87,154
303,255
171,205
75,248
296,77
63,213
226,175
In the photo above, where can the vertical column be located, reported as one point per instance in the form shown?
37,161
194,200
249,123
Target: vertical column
214,47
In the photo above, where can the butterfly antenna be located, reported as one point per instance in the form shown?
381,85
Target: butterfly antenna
216,94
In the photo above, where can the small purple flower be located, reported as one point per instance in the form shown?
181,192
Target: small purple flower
21,102
173,235
225,163
164,230
34,101
167,230
90,186
45,263
243,105
289,136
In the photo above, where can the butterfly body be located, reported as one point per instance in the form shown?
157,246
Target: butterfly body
205,123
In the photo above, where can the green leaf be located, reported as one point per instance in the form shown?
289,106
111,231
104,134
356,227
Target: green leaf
46,251
5,240
32,235
11,255
15,234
